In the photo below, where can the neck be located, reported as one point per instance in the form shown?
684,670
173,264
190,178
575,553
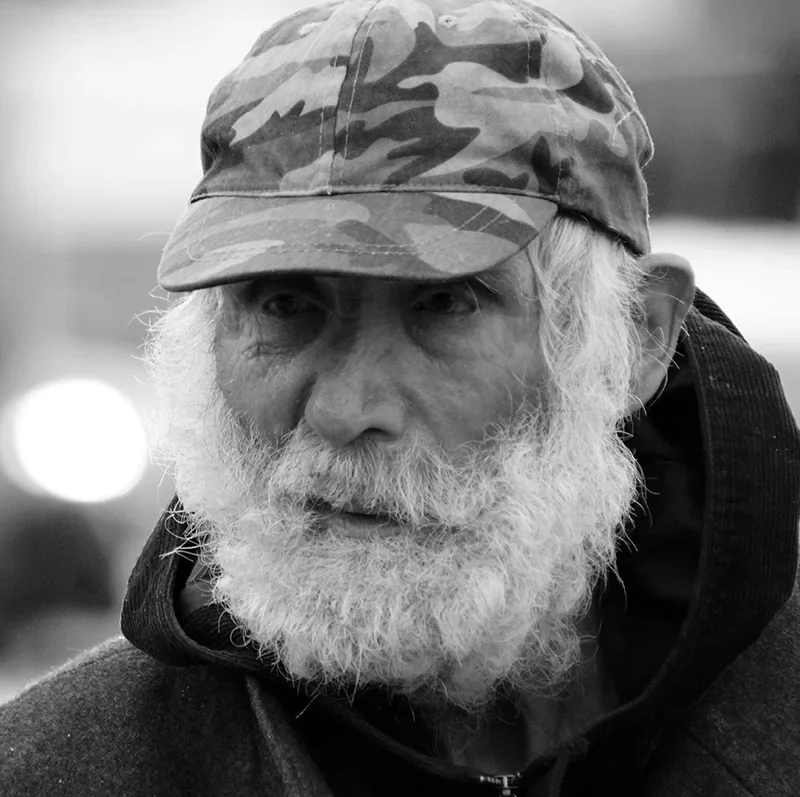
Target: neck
519,727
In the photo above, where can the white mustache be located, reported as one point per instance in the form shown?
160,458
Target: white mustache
418,485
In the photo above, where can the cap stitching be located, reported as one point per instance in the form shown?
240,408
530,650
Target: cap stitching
375,248
618,125
520,12
355,83
325,104
556,125
576,191
345,251
583,53
407,188
367,247
364,248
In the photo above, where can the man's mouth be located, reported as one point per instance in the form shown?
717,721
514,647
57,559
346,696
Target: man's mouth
349,521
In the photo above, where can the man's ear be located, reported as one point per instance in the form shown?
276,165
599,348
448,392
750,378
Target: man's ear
668,294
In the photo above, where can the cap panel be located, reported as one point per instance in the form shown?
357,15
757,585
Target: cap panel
600,173
448,98
275,113
490,95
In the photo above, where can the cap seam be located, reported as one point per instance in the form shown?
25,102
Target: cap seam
533,25
572,138
554,94
375,188
326,104
355,86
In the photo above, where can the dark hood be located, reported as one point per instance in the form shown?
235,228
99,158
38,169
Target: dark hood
712,554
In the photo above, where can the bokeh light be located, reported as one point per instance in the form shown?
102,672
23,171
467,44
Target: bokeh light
78,439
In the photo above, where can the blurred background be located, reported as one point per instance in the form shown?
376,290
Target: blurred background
101,105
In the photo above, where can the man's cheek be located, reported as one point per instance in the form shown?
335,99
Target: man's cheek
263,394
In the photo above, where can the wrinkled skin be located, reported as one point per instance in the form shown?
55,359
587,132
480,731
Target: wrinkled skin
381,358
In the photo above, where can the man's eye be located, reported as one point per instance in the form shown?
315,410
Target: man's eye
443,302
288,305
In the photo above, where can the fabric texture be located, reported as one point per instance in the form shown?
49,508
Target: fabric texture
409,138
702,643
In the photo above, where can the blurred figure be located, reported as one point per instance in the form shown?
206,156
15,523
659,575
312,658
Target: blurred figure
51,560
475,493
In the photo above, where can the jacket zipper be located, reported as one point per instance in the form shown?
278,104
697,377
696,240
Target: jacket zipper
508,784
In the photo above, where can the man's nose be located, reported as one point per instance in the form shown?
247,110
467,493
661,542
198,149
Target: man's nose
356,395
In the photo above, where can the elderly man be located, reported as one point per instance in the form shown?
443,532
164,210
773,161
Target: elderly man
474,495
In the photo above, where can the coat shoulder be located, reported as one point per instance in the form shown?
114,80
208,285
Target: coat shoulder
114,720
746,728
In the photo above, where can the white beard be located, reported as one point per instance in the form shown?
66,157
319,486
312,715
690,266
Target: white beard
496,565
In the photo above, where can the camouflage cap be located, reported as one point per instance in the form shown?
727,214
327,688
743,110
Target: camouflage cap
408,138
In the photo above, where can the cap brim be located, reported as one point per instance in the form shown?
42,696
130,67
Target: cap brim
425,236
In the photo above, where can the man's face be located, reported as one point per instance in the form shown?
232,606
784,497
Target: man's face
385,482
380,358
368,360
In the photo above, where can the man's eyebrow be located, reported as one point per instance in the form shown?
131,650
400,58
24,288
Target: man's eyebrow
502,279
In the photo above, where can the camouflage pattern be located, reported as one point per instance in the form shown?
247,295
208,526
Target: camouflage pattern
419,138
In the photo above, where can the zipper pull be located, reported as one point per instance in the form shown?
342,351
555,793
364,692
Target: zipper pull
508,784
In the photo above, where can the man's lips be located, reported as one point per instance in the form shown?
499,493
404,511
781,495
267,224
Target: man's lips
349,522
